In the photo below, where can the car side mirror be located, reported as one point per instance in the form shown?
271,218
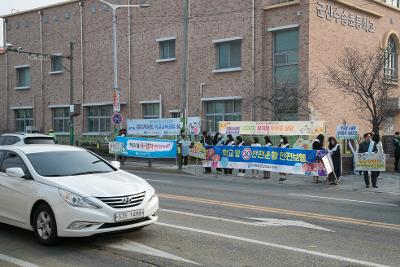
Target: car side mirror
116,164
15,172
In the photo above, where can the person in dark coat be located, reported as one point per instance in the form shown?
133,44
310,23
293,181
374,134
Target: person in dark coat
396,146
334,150
318,145
217,141
206,140
365,148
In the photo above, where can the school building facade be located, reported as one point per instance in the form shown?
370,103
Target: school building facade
237,52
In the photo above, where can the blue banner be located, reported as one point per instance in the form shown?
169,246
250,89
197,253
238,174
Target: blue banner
286,160
147,148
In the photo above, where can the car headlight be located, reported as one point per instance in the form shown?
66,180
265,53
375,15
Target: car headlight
77,201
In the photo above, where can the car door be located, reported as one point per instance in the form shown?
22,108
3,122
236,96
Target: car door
13,190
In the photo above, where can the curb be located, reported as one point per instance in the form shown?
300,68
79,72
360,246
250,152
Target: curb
157,170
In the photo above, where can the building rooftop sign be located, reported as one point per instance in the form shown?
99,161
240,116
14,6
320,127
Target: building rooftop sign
332,13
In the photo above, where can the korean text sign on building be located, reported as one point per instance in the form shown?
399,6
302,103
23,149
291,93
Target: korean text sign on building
295,161
147,148
272,127
162,127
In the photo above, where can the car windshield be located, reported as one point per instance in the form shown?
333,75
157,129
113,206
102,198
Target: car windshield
67,163
39,140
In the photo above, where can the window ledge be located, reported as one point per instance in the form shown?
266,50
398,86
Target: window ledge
96,133
56,72
166,60
22,87
227,70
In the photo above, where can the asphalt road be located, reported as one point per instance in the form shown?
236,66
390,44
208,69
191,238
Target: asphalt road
225,221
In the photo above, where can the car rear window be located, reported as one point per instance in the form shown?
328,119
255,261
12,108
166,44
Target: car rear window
39,140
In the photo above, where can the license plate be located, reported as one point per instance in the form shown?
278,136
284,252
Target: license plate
129,215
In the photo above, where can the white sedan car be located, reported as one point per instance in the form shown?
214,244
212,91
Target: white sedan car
64,191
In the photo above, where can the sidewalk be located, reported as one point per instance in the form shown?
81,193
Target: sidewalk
388,183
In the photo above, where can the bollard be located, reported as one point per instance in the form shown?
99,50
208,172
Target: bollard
150,163
179,161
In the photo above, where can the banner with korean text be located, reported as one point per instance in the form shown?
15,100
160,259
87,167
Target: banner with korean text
163,127
287,128
147,148
349,132
295,161
370,162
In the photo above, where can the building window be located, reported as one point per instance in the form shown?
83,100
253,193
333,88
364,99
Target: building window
23,118
151,111
56,64
286,74
23,77
67,15
395,3
99,119
228,54
61,120
167,50
55,18
45,19
93,8
216,111
391,62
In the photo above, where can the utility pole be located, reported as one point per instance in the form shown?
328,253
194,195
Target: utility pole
184,80
71,93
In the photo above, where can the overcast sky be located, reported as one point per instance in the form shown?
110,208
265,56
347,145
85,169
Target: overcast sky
9,6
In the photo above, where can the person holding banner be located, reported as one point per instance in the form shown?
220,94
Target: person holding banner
379,146
284,143
256,143
240,142
318,145
268,143
368,147
206,140
229,142
396,146
218,141
334,151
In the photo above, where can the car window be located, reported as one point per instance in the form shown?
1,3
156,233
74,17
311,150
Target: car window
12,160
67,163
39,140
2,140
10,140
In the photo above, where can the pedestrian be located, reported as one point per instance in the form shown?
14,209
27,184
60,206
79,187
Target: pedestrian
318,144
368,147
376,138
185,148
268,143
206,140
396,149
334,151
240,142
284,143
256,143
229,142
218,140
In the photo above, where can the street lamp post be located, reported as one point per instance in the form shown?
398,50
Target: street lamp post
117,105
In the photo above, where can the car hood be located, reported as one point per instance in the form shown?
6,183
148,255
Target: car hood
118,183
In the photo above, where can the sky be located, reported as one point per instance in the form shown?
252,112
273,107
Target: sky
10,6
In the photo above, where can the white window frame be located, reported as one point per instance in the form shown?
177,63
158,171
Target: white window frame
226,40
99,117
66,131
26,86
53,72
159,42
151,102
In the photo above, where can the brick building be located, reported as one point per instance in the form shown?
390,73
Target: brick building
237,51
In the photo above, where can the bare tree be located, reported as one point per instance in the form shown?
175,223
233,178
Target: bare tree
363,77
286,100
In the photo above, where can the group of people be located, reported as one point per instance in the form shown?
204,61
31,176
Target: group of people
219,140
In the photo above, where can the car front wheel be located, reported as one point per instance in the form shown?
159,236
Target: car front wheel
44,225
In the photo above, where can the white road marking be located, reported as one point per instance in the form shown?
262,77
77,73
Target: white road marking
258,242
277,222
264,221
161,181
131,246
16,261
345,199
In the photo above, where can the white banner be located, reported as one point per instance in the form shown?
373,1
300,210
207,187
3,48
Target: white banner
370,162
